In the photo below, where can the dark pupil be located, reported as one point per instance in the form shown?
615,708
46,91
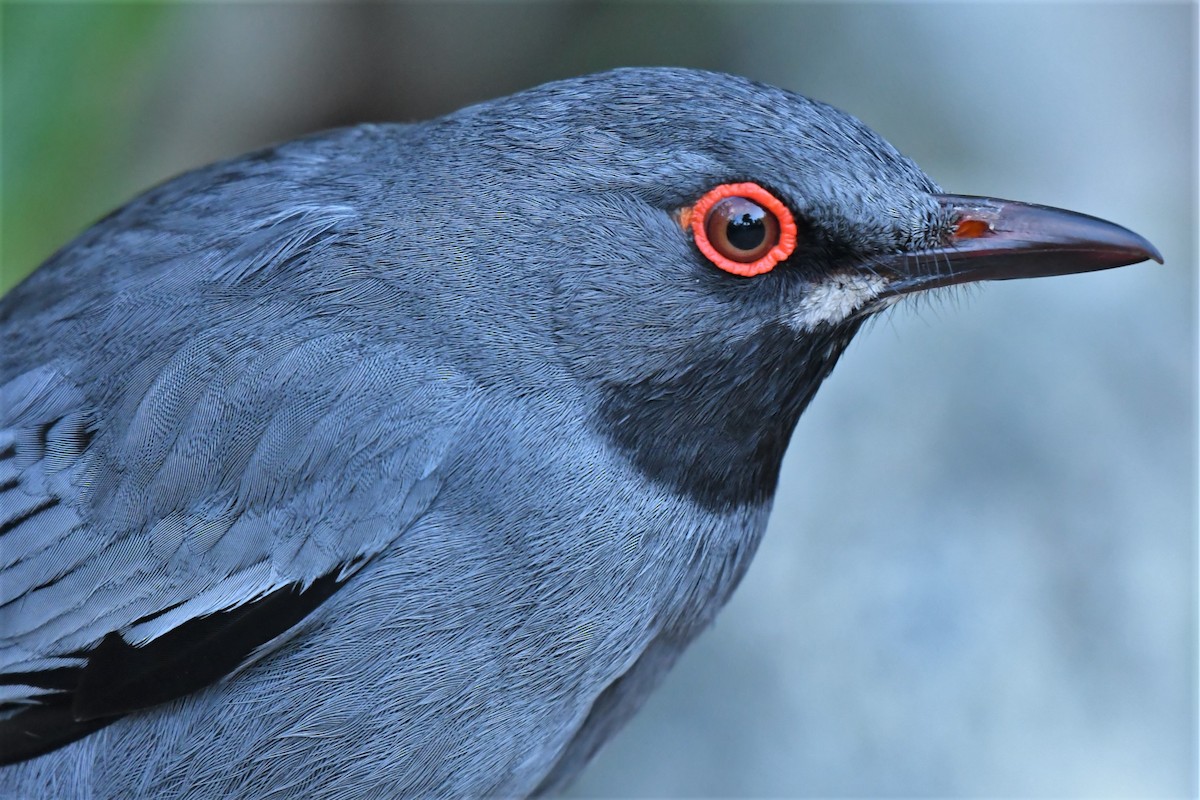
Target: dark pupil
746,231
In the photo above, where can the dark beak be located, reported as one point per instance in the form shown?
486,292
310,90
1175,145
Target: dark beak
992,240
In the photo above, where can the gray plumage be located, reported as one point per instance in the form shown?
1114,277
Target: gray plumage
468,384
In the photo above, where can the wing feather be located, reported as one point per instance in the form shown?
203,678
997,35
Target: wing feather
165,517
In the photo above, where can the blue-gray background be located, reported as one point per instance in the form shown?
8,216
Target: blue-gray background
980,579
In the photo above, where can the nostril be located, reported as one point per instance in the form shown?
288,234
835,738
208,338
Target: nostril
968,228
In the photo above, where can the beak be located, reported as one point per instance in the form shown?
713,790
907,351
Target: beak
992,240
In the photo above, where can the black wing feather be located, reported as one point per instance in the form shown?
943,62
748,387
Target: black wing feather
119,678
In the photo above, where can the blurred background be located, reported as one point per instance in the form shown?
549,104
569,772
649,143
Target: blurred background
980,578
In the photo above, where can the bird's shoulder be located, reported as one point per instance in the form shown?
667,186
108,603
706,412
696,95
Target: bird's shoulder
212,413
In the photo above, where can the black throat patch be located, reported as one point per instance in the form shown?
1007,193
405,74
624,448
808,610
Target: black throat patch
716,431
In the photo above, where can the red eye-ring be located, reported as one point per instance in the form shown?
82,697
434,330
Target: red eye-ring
742,228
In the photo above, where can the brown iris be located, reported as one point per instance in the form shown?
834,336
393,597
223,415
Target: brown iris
741,230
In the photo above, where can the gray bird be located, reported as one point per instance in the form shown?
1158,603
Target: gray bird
404,460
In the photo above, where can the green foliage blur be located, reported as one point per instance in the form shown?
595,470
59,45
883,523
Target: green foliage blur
58,130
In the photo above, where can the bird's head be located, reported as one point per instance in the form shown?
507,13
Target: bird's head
707,247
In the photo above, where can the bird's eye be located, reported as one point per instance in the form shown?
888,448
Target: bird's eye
742,228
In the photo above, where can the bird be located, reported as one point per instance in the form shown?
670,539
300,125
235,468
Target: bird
404,460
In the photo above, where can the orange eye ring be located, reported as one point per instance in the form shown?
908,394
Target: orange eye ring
778,228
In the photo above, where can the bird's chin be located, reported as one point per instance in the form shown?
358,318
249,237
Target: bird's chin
990,239
839,298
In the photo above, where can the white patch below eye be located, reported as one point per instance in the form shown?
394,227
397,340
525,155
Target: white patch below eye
835,300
